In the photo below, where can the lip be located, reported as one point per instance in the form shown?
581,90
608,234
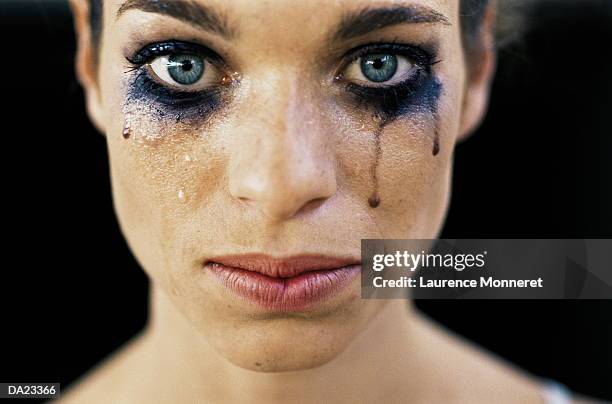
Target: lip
291,284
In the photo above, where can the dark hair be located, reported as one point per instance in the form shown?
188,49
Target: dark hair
471,12
95,21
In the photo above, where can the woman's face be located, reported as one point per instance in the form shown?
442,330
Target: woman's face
279,130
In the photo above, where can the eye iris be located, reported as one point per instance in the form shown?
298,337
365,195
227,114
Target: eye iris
379,67
185,69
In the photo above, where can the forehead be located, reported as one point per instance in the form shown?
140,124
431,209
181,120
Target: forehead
280,16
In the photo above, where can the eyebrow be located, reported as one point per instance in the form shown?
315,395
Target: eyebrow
372,19
191,12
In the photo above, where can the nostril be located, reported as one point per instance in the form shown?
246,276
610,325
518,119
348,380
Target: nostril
245,201
313,205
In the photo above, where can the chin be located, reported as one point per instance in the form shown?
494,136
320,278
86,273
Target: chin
287,351
288,344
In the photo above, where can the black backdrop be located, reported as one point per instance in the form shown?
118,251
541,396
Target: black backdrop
540,167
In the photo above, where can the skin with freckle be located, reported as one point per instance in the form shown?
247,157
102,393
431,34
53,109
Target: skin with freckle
281,146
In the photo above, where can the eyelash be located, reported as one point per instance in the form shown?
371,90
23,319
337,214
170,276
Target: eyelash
152,51
423,59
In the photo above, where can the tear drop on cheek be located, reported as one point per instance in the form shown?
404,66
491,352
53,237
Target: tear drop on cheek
181,195
374,201
229,79
226,80
127,130
436,146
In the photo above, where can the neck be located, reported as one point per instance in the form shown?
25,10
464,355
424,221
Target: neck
386,355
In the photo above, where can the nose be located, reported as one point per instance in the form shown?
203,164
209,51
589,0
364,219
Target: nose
281,163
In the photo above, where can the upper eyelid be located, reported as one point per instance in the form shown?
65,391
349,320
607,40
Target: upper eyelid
424,55
154,50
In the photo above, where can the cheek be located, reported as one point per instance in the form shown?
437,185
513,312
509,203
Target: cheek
415,168
413,184
401,169
162,173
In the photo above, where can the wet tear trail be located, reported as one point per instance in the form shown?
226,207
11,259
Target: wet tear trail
374,200
436,140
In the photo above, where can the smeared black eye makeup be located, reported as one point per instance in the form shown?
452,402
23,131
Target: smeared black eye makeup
392,79
181,79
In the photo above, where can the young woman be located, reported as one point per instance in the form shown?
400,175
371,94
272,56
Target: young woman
253,144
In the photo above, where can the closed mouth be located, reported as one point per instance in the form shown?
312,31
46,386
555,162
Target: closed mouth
296,283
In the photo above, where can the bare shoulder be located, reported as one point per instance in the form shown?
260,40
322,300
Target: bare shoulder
105,382
484,377
479,376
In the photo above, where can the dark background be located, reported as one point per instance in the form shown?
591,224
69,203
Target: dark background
540,167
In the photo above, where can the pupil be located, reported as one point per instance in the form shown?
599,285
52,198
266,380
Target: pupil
187,65
377,64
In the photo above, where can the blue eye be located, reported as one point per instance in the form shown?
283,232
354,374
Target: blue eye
185,69
379,67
